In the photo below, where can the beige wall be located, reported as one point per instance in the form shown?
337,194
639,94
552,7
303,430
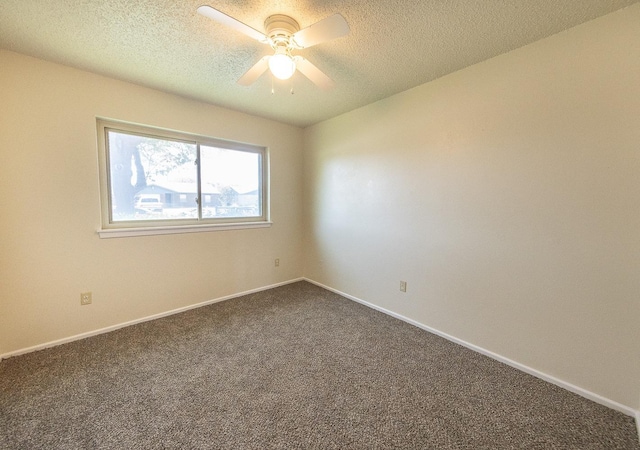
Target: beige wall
49,193
507,195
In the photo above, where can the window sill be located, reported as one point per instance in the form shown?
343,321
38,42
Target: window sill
179,229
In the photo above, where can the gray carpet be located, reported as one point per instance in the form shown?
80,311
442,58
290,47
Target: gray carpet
292,367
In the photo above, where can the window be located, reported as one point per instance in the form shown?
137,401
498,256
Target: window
156,181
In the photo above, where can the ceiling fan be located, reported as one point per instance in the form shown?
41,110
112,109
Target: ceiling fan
284,35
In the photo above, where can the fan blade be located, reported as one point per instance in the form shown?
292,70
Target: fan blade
313,73
330,28
229,21
254,73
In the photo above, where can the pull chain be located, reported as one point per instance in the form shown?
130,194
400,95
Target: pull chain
273,89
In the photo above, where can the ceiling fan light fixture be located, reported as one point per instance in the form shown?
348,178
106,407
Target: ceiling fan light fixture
282,66
283,34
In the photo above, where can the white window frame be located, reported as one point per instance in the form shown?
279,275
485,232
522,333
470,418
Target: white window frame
113,229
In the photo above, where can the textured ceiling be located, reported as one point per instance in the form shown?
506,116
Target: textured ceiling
393,45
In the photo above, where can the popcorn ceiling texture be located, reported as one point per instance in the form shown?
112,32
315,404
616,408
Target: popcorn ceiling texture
393,45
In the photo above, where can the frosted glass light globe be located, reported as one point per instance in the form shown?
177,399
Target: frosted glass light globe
282,66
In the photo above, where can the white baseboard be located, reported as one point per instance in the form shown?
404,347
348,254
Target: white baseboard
536,373
141,320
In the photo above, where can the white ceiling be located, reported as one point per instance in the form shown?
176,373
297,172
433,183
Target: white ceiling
393,45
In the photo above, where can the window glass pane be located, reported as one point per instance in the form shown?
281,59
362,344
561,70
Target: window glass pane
151,179
231,182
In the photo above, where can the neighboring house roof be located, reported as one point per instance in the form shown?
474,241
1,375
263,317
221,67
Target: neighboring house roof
242,190
190,188
179,188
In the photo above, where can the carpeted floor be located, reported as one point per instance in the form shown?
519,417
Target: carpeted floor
292,367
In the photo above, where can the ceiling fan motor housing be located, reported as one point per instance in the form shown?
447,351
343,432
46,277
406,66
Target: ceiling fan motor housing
279,29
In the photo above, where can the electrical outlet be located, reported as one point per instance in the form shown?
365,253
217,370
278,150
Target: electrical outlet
403,286
277,262
85,298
